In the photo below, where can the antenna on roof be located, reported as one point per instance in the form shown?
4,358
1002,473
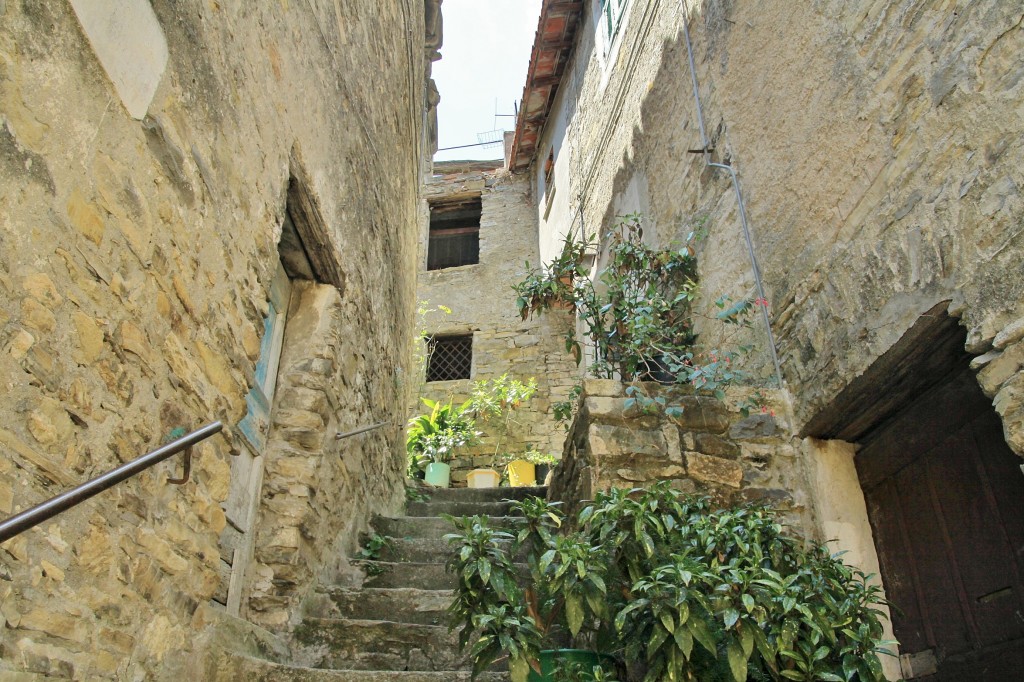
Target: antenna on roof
496,137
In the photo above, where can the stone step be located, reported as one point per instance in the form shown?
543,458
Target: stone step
457,508
415,550
347,644
423,551
401,605
417,576
484,494
427,526
240,668
414,575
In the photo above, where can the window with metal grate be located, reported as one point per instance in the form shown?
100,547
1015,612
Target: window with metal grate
450,357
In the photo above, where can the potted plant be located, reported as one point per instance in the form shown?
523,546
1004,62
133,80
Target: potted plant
433,438
528,468
493,401
529,621
553,286
668,587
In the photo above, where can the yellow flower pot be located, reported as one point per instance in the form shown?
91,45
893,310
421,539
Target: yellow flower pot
521,473
483,478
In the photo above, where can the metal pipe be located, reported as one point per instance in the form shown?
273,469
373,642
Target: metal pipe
739,196
356,432
47,510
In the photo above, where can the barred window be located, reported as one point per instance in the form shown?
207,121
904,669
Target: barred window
454,233
449,357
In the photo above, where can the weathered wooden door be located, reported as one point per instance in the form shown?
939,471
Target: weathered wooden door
945,497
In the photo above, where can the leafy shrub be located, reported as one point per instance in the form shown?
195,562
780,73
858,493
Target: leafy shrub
434,437
673,588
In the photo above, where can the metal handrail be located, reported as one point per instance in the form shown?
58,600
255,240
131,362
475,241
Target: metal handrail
47,510
356,432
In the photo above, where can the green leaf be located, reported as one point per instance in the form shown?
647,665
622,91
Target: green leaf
729,617
684,640
647,543
518,669
699,629
574,613
828,677
658,638
748,602
666,620
792,675
485,570
746,638
737,661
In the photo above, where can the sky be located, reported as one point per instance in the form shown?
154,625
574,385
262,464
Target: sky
482,69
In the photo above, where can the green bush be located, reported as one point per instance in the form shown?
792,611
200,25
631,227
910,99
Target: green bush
435,436
672,588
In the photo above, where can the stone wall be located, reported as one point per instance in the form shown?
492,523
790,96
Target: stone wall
879,148
482,302
142,194
710,449
302,539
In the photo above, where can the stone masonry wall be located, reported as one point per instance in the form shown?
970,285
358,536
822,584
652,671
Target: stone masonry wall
303,540
711,449
138,239
879,147
482,301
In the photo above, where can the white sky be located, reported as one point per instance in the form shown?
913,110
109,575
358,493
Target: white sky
484,59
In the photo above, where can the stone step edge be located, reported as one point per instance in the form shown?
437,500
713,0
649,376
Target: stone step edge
292,671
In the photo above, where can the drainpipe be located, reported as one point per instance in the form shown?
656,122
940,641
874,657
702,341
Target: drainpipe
705,143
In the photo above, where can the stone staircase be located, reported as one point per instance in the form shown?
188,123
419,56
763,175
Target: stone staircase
394,626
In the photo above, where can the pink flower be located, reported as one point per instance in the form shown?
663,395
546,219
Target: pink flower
761,301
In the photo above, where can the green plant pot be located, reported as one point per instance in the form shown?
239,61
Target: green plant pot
548,659
438,474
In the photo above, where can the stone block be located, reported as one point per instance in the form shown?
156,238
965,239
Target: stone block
1009,404
606,440
701,414
20,344
36,316
6,498
41,287
753,427
161,552
999,370
634,475
714,469
133,340
60,625
1010,334
710,444
672,443
603,387
85,217
776,498
90,338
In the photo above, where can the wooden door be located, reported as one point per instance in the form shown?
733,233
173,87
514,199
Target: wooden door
945,497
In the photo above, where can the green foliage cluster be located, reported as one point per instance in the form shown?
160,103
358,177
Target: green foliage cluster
637,314
436,435
372,547
565,410
639,311
674,589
